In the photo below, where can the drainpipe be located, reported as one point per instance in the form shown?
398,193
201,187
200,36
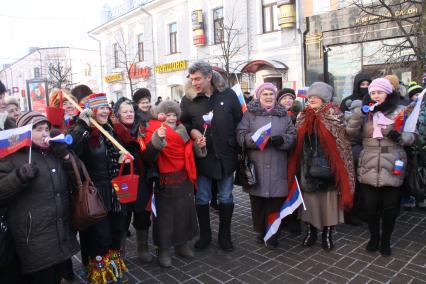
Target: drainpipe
154,56
100,59
302,34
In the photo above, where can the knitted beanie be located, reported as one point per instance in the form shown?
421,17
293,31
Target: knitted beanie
413,89
286,92
141,94
265,86
97,100
32,116
394,81
322,90
380,84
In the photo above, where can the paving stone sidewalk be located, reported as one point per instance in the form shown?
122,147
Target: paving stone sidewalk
291,263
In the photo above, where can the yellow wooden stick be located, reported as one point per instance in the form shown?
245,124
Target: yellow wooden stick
98,126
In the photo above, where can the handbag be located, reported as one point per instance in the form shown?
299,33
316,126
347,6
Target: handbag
320,166
416,176
245,174
88,207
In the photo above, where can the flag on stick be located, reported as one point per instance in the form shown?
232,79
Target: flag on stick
262,135
292,202
14,139
240,95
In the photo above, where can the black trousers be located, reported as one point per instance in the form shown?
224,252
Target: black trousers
261,207
103,236
50,275
382,200
141,220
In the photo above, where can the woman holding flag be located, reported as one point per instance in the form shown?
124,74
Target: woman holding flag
101,242
323,160
382,162
175,222
36,186
267,132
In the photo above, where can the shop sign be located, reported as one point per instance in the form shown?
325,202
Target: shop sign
113,77
136,72
199,37
172,66
375,18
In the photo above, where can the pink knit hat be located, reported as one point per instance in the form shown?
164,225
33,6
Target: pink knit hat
265,86
380,84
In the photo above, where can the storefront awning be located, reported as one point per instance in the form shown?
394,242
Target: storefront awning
256,65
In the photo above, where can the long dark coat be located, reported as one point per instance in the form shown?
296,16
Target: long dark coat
221,139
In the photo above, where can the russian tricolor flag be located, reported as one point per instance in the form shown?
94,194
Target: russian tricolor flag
262,135
237,89
14,139
293,201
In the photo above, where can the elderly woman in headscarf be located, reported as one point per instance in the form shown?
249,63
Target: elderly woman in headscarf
270,161
323,159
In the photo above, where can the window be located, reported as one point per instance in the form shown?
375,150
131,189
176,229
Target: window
270,14
176,92
115,48
173,38
37,72
218,25
140,48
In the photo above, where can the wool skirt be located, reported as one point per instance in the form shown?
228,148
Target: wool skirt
176,221
322,209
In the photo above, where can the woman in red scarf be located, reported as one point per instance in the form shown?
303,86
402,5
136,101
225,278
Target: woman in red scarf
176,222
323,158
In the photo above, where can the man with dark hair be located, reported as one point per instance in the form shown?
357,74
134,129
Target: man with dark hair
206,92
159,100
81,91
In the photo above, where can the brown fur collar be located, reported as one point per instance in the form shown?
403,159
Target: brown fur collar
217,81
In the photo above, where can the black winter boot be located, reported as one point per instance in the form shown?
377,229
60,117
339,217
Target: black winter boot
327,240
224,236
388,223
203,214
273,242
311,236
373,222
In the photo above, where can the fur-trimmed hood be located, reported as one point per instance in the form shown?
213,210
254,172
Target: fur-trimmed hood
218,83
255,108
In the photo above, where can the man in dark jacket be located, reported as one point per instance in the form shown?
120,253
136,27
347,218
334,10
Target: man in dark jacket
208,92
361,82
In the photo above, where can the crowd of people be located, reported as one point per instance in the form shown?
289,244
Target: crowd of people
352,162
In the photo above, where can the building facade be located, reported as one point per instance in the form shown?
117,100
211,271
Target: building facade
49,67
151,43
342,40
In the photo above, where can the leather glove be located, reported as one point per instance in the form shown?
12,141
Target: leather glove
85,115
59,149
27,172
277,141
394,135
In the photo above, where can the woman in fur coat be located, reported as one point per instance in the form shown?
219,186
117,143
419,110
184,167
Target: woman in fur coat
323,158
175,223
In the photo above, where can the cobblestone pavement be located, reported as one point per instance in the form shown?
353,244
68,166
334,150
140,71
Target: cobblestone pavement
292,263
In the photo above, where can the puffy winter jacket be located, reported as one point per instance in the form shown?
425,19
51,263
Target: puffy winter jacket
39,211
377,159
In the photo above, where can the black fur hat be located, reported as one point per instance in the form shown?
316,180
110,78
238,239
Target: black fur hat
141,94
